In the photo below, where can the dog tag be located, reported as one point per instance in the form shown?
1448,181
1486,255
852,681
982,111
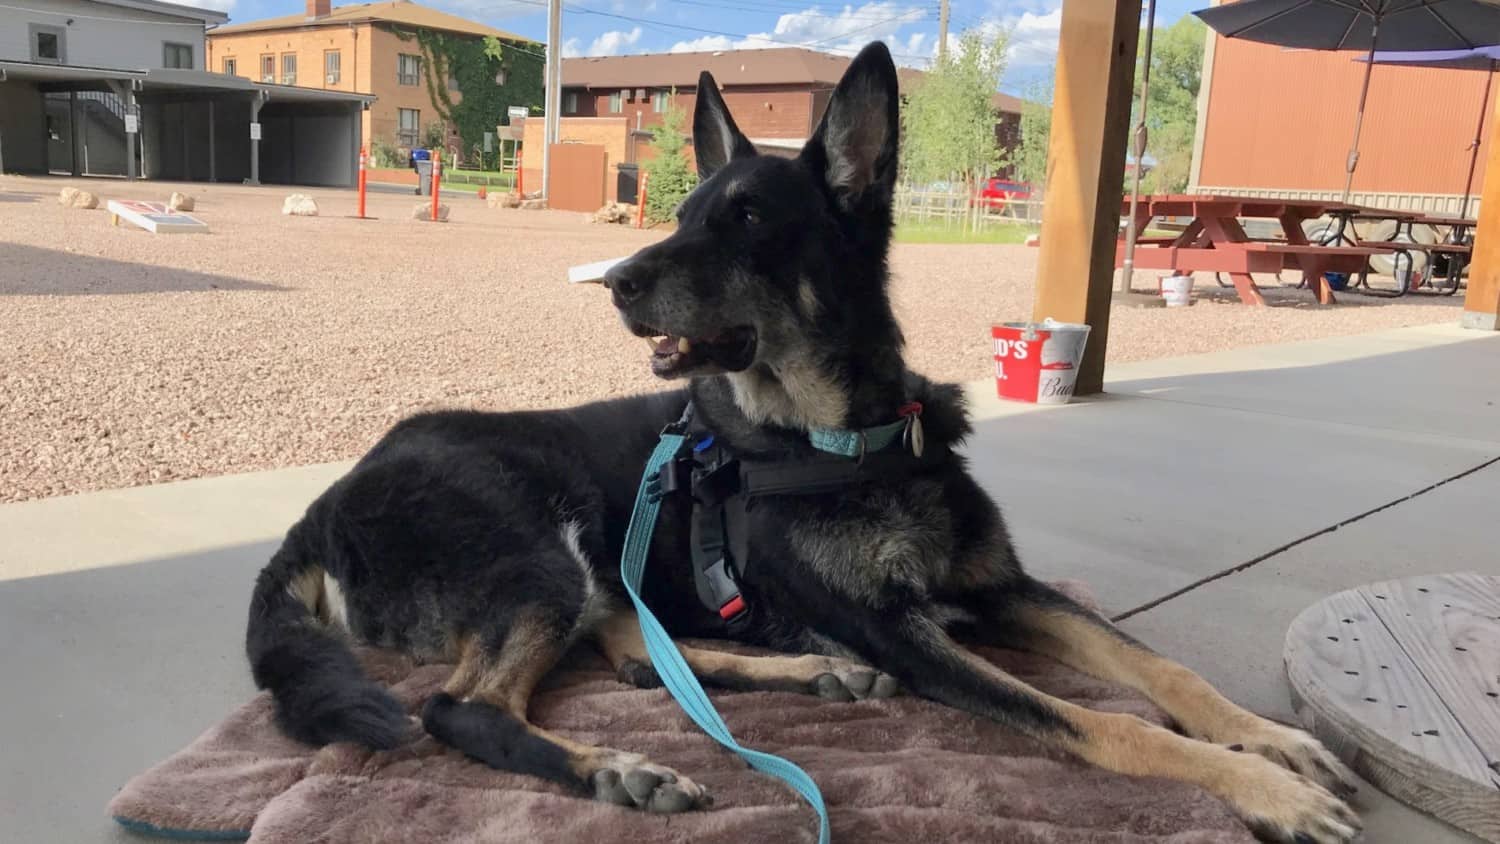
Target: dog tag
911,438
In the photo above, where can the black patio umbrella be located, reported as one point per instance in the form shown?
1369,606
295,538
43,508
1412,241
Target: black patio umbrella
1483,59
1367,25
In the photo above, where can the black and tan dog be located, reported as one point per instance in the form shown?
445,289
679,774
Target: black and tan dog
493,540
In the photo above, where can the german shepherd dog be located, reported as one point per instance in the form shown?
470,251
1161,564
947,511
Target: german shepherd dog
492,540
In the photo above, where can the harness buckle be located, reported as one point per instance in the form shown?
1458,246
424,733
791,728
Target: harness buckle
732,609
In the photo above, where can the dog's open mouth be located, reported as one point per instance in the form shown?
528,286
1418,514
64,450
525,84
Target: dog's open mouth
673,356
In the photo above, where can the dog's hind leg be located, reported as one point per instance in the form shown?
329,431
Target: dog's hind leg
482,712
830,677
1048,622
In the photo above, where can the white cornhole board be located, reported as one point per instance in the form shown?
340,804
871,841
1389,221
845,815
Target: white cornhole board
591,273
154,217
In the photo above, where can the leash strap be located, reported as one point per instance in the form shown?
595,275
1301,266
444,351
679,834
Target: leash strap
668,661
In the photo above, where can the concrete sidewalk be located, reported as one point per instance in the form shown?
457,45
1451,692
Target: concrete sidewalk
1208,499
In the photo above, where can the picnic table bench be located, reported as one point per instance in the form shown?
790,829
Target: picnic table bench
1215,241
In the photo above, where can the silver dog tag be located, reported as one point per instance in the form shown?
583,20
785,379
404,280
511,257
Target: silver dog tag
911,438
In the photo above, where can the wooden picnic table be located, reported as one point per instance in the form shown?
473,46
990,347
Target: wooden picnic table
1453,250
1215,241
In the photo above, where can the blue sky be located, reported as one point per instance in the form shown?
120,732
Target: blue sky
612,27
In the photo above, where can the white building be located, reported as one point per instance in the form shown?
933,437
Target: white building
119,88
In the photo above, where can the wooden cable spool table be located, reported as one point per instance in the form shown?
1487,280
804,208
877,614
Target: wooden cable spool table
1401,679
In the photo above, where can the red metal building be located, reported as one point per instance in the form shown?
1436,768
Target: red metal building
1273,121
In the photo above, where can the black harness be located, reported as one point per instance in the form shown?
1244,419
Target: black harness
723,483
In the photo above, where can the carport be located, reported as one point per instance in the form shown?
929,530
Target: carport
189,125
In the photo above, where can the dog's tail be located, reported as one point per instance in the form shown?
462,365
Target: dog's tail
322,695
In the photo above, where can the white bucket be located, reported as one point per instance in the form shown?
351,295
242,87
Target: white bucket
1177,290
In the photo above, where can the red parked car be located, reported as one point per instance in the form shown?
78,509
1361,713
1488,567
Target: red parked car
996,193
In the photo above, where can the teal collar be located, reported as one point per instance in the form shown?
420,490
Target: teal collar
858,443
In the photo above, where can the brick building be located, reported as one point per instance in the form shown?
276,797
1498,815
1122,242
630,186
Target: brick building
375,48
777,97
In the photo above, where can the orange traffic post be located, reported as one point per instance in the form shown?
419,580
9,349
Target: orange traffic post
520,177
640,201
363,163
437,179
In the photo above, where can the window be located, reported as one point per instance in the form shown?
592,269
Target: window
289,68
177,55
408,69
47,44
615,102
406,126
659,101
230,68
332,61
570,102
268,68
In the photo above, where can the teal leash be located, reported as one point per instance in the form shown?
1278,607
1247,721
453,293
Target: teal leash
665,657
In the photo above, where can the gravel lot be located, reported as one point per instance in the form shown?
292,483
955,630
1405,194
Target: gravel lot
130,359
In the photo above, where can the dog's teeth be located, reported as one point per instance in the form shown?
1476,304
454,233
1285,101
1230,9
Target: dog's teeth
652,342
684,345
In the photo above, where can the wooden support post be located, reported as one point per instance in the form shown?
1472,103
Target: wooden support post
1086,171
1482,302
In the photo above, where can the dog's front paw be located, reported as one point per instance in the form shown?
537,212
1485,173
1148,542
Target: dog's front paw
627,779
1297,751
1282,806
846,680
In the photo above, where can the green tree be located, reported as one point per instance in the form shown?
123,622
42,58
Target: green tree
948,124
1172,115
671,177
1036,130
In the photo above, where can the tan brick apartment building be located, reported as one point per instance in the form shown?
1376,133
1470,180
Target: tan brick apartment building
371,48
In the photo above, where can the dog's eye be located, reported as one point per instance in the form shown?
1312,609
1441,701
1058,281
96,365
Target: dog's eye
749,217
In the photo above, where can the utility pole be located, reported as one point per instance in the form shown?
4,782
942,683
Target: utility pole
942,30
552,95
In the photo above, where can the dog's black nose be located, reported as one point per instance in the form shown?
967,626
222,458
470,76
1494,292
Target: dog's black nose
629,281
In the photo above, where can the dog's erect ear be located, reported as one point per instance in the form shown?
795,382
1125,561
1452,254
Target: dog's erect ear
716,139
856,143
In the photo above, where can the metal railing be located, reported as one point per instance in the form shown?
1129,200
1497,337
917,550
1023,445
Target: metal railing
963,208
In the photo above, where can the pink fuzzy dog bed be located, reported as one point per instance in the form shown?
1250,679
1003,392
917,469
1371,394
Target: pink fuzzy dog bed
897,770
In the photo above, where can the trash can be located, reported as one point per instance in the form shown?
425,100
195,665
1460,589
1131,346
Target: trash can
627,183
421,161
424,177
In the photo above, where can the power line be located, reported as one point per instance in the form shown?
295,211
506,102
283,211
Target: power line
661,26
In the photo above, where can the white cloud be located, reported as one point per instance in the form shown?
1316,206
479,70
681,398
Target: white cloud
1033,38
216,5
614,42
844,32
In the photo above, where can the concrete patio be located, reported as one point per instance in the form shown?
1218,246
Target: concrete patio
1208,499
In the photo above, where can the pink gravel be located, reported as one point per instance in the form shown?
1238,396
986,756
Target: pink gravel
130,358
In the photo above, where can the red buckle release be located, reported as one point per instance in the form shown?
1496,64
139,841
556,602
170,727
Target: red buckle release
911,408
735,606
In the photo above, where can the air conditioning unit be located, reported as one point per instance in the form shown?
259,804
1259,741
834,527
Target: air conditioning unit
331,78
268,77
